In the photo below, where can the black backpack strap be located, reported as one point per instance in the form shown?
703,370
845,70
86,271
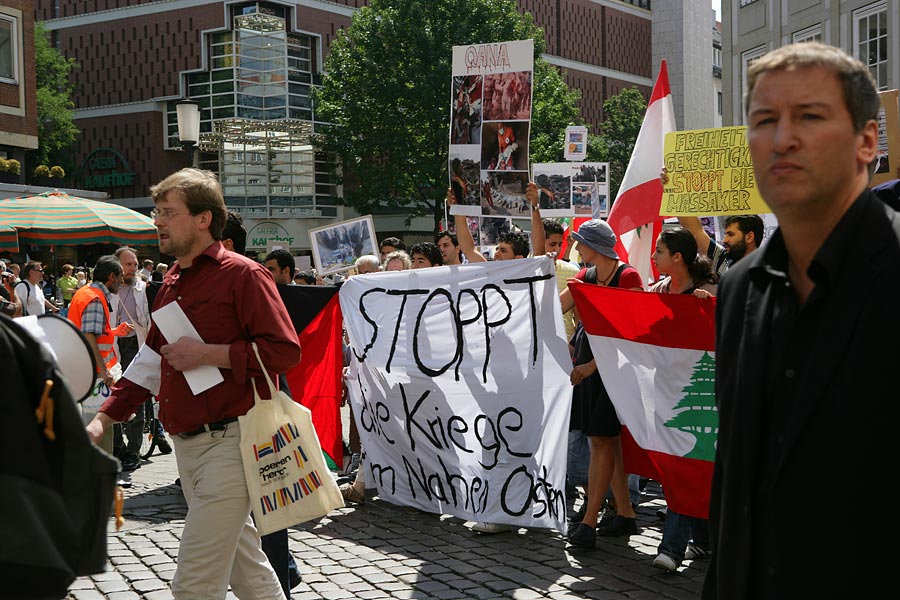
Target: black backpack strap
614,282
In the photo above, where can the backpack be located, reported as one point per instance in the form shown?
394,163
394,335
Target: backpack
57,494
589,275
27,297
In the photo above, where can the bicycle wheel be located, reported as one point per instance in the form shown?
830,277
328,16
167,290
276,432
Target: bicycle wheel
148,433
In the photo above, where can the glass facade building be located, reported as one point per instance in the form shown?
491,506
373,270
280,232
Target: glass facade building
256,116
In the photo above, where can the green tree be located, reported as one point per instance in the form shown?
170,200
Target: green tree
57,133
386,94
623,115
697,411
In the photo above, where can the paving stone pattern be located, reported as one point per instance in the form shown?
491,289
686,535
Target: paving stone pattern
380,550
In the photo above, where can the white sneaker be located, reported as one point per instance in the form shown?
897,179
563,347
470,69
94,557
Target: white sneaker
665,562
490,527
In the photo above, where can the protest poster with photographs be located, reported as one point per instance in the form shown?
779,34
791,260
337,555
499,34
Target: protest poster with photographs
579,189
491,230
887,156
336,247
474,224
490,121
575,144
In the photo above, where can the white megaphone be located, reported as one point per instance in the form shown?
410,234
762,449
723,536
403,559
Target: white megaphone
69,347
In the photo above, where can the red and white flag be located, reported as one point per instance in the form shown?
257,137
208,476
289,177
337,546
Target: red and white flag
655,353
635,214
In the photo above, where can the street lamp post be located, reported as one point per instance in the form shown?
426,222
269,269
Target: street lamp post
188,112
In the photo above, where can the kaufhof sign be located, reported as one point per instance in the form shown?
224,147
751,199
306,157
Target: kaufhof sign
105,168
266,234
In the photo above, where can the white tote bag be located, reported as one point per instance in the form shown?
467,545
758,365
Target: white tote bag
287,477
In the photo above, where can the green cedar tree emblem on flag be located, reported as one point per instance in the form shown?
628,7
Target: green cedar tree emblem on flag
696,412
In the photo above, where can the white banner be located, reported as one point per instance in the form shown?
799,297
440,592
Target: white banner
459,382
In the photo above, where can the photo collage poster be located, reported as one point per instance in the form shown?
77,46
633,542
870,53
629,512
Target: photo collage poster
573,189
490,122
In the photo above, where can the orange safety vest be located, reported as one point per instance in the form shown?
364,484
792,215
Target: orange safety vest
84,296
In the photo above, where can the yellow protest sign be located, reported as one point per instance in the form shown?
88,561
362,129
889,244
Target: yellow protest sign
710,173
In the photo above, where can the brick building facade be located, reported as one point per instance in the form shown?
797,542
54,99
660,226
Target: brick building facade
18,107
138,57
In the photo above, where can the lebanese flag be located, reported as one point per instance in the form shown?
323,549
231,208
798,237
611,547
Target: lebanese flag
635,214
315,382
655,354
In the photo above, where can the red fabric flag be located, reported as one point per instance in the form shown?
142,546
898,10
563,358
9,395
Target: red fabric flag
655,353
635,214
316,380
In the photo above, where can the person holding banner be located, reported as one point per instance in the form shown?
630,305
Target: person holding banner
592,410
687,272
805,381
204,383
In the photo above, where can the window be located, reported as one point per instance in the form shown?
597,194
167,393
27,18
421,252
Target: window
9,55
747,59
810,34
871,41
719,100
717,57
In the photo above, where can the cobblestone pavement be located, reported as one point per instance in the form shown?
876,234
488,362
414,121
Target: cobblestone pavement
380,550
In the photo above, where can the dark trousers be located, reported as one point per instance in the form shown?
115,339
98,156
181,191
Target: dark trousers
275,547
133,429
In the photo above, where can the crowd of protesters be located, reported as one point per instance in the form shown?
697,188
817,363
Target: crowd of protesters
812,143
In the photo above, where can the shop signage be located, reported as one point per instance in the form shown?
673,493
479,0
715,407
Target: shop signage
105,168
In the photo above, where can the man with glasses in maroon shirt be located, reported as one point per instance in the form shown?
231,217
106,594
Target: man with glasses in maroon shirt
231,301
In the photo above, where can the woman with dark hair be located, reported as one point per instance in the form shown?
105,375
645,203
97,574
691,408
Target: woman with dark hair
687,272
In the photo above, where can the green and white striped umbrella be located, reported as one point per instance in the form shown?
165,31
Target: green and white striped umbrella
9,241
58,219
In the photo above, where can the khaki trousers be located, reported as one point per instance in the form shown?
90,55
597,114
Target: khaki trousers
219,545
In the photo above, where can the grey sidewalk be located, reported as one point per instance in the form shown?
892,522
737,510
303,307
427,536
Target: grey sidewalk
380,550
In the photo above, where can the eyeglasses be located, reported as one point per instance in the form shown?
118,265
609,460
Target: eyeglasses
38,270
166,213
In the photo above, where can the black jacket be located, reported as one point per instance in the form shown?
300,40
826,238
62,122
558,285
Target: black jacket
793,511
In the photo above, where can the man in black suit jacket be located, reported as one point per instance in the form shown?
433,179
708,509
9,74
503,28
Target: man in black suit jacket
806,347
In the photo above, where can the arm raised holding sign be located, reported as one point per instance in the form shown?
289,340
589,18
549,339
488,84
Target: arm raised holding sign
743,234
463,235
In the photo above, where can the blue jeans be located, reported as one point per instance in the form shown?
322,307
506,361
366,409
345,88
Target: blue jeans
679,530
578,458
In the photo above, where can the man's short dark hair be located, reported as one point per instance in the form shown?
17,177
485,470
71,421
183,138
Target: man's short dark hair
446,234
235,231
552,227
284,258
748,223
106,265
394,242
307,277
857,83
30,266
521,246
429,251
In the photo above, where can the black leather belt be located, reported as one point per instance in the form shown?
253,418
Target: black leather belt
217,426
